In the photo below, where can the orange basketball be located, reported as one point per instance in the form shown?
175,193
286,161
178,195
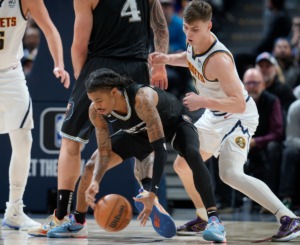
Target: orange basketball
113,212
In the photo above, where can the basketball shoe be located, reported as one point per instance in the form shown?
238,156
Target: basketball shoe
289,229
14,217
69,228
192,227
215,231
162,222
42,230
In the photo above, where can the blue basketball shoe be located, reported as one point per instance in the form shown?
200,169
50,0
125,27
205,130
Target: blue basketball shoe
162,222
70,228
215,231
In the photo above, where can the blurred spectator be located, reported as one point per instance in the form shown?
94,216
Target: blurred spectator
175,25
264,156
179,77
31,41
277,24
295,36
27,64
266,63
284,56
291,157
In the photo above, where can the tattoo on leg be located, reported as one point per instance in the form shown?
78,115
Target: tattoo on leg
143,169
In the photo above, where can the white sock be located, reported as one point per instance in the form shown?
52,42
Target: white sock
201,212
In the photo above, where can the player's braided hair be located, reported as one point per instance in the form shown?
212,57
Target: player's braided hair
106,79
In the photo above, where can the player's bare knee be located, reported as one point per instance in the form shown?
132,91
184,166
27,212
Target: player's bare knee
180,165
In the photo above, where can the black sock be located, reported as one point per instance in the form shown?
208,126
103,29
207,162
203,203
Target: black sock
80,217
211,213
146,183
64,200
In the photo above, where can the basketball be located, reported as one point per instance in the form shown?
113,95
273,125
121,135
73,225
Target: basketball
113,212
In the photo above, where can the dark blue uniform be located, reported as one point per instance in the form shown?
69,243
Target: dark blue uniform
132,130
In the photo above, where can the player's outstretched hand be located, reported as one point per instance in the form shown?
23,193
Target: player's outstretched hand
64,76
90,194
148,202
158,58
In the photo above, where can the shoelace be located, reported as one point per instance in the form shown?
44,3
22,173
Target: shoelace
213,223
66,222
48,221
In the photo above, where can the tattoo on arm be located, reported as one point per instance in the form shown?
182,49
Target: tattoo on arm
147,111
143,169
159,26
103,142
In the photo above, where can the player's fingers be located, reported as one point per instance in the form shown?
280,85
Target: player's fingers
56,72
67,80
137,199
93,205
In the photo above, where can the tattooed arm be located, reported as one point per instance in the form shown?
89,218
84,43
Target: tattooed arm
161,42
145,106
104,152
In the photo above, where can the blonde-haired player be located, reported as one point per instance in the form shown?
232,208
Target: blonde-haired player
230,118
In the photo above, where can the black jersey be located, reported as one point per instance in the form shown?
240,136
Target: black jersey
121,28
170,110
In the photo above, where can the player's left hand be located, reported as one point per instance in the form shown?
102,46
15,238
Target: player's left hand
193,101
148,202
159,76
64,76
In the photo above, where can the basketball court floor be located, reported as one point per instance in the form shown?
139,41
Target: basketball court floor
242,228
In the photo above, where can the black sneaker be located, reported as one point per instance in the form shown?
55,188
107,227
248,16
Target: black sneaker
192,228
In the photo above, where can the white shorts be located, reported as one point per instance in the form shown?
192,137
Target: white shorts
15,101
216,129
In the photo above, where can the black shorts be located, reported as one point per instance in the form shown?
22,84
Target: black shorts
137,145
77,125
131,145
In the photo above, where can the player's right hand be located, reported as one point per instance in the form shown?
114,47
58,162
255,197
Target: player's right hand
90,194
64,76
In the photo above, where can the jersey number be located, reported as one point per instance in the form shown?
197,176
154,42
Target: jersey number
130,9
1,40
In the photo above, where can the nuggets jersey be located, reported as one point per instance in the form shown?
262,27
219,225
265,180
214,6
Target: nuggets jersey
196,62
12,29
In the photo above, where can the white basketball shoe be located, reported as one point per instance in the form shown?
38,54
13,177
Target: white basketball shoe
15,218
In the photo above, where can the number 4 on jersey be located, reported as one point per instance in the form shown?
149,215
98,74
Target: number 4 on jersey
130,9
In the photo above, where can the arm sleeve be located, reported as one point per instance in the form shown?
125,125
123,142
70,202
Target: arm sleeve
160,157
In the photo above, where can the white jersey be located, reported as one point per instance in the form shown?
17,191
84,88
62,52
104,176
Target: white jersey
12,29
196,62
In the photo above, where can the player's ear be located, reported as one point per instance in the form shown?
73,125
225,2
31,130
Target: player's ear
113,91
209,25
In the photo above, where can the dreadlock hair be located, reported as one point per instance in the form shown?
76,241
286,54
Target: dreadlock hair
106,79
197,10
